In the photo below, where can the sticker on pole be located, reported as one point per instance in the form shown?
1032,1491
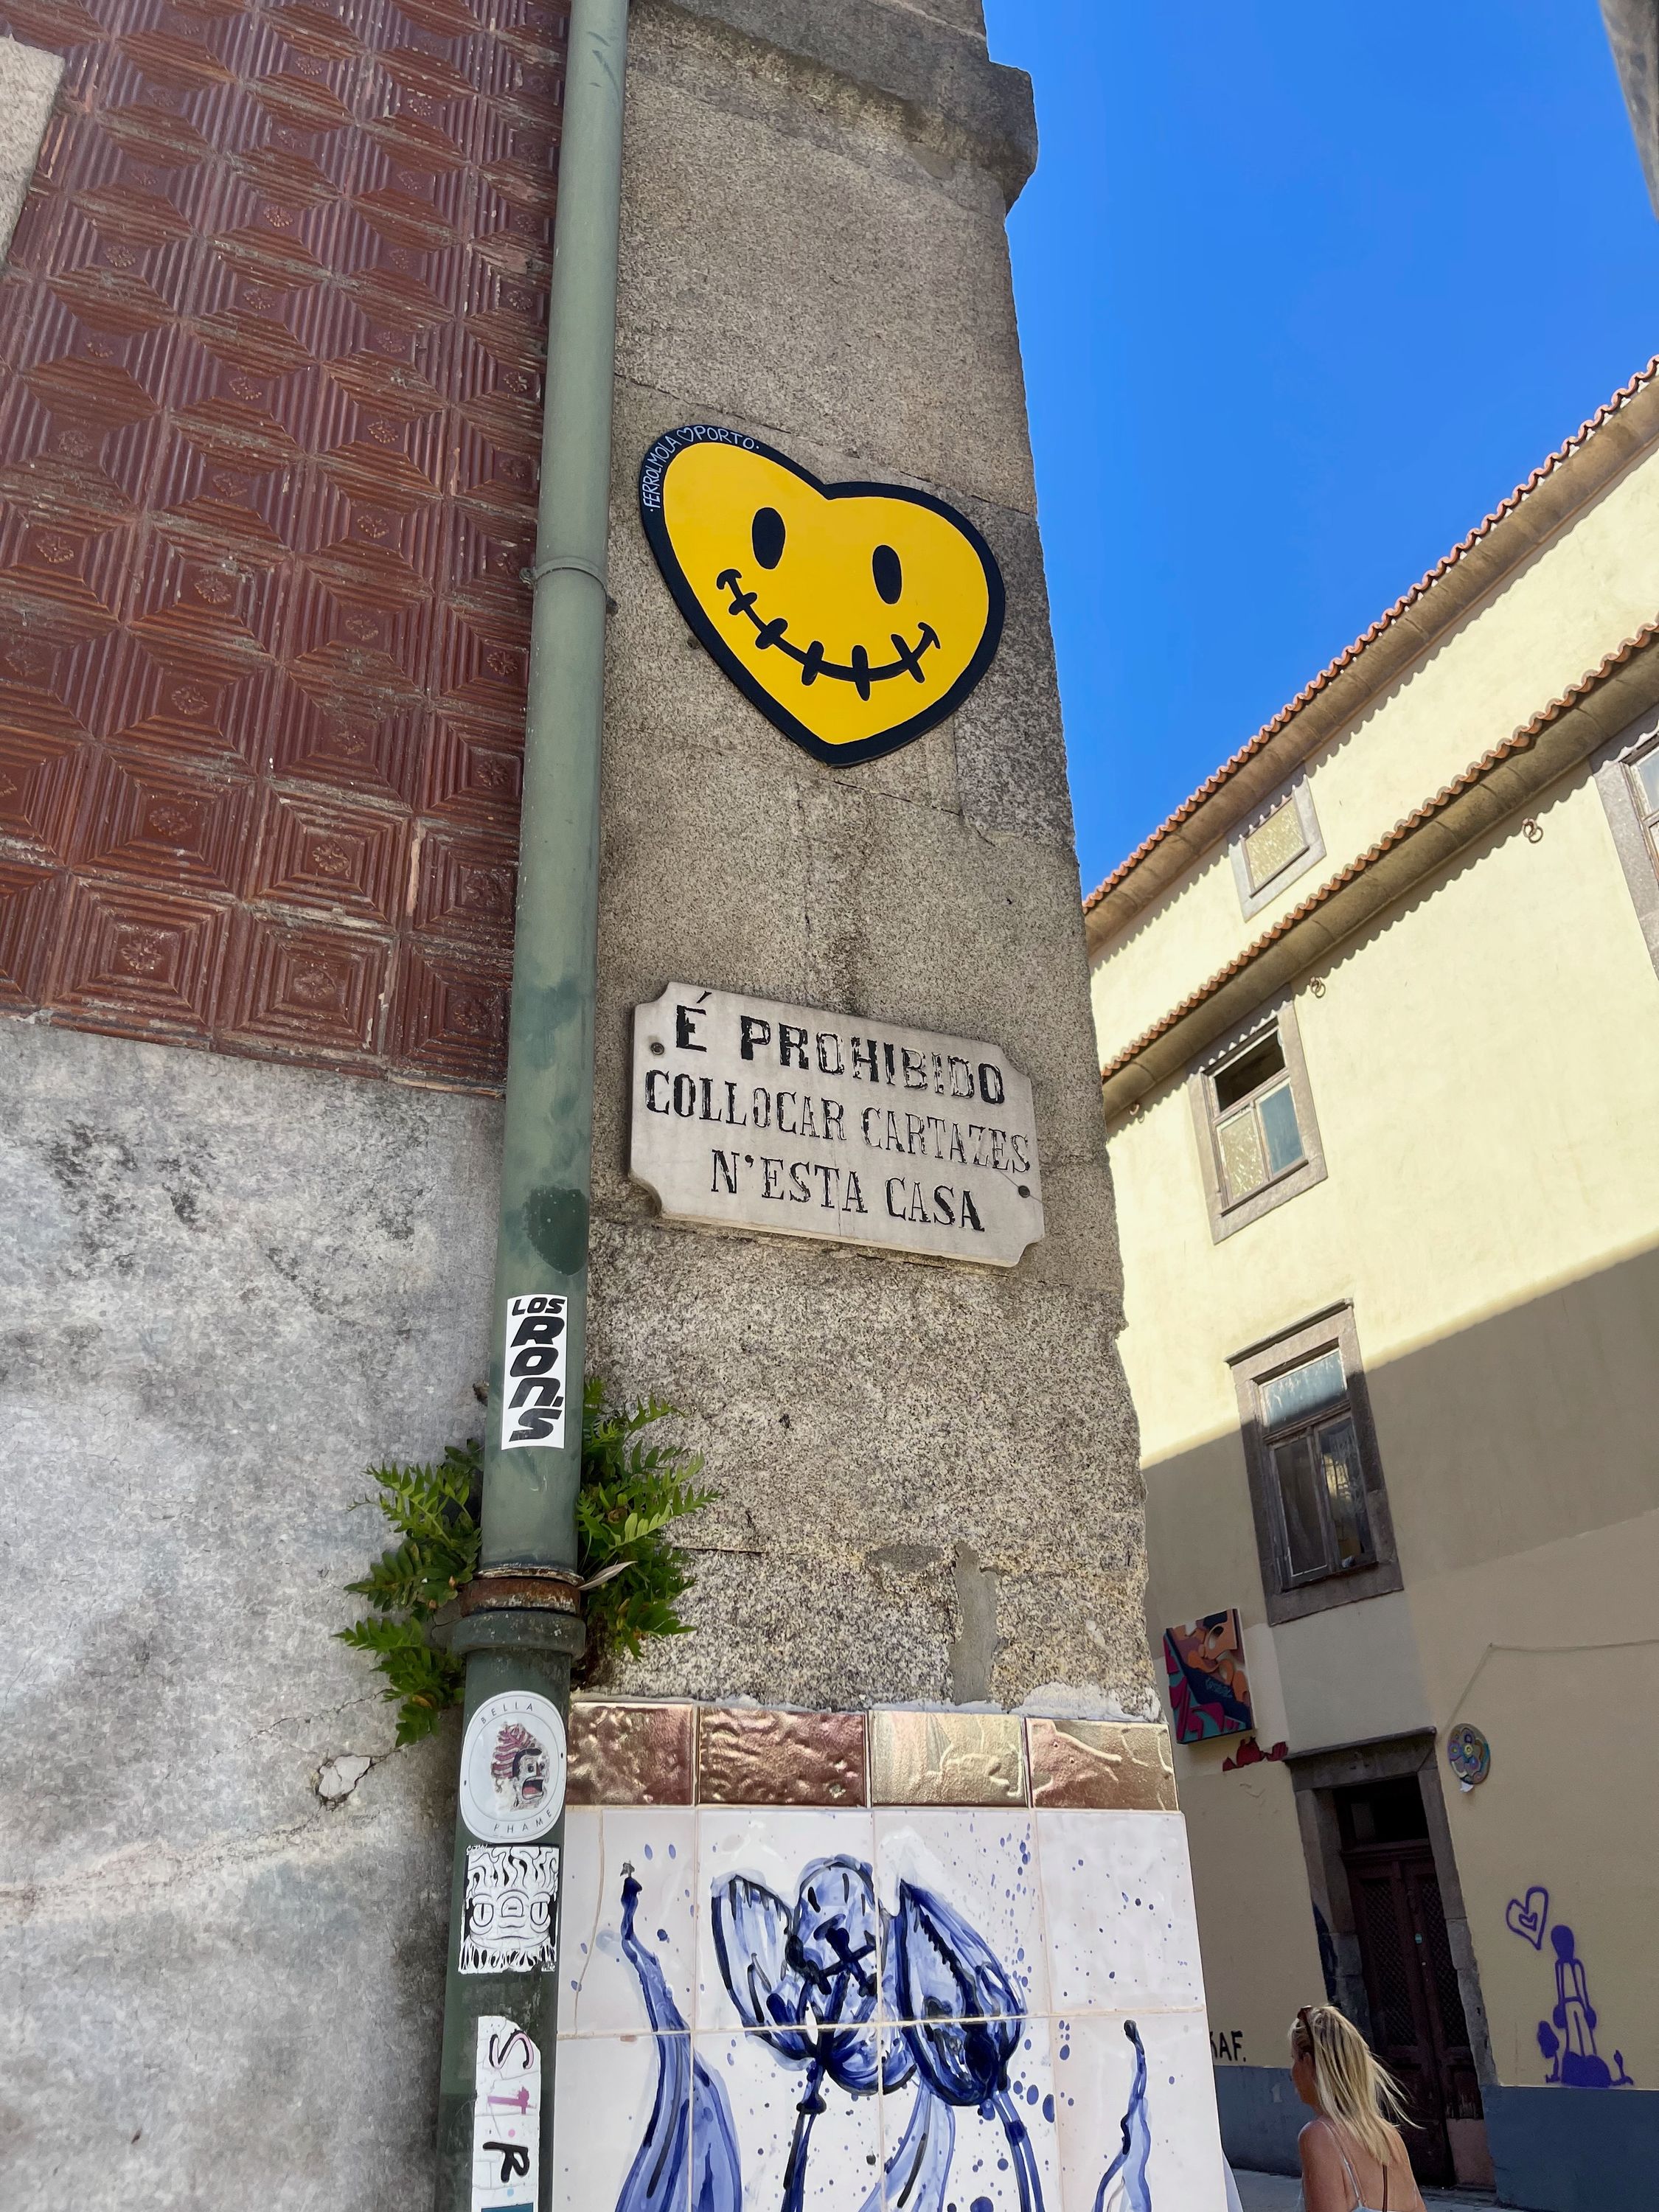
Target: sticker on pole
511,1896
533,1372
507,2117
513,1768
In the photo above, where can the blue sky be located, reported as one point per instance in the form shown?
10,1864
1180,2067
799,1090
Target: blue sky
1305,287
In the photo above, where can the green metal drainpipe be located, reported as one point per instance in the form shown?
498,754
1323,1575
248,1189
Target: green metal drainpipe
521,1623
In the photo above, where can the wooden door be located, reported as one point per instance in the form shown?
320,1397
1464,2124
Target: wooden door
1417,2027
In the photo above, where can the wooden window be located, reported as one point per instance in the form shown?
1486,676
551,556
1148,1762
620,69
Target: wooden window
1256,1129
1312,1449
1277,844
1627,777
1321,1514
1643,772
1255,1123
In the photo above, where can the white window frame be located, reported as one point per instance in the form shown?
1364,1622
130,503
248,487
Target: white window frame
1228,1216
1252,898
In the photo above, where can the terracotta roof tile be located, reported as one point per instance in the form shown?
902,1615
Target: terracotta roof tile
1519,741
1287,714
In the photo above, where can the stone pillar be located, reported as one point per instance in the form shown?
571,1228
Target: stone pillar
929,1472
953,1948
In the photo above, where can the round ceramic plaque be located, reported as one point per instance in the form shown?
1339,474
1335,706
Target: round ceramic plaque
513,1768
1469,1755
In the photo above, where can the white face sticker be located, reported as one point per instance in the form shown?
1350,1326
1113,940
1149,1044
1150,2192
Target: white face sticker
512,1901
513,1768
507,2118
533,1372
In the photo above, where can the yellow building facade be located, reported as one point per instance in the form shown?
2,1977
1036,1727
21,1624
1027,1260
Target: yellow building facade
1378,1015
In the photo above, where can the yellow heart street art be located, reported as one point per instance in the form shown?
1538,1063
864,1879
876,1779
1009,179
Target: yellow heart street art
854,616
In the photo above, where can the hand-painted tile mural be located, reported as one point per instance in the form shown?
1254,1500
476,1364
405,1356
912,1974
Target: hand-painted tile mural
980,2008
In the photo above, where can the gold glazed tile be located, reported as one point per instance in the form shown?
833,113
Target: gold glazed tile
1120,1766
946,1758
747,1755
638,1755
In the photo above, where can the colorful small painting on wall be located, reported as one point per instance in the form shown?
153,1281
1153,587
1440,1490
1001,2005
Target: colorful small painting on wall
1209,1689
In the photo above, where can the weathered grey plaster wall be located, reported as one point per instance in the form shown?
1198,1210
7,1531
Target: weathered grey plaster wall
929,1472
226,1288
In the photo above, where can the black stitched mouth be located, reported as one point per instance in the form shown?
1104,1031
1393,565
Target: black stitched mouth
811,662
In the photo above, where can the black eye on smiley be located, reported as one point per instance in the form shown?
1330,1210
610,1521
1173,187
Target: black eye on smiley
767,535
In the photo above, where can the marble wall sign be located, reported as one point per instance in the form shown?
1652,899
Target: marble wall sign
748,1113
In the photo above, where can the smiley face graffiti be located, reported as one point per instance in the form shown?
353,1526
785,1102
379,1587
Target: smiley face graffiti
854,616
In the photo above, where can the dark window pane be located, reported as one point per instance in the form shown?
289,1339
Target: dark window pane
1249,1071
1243,1166
1383,1813
1283,1139
1305,1537
1344,1489
1306,1390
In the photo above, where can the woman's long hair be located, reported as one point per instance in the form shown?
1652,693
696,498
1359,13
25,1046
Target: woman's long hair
1354,2091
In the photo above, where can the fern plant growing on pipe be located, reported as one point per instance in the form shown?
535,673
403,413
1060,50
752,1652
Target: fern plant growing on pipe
633,1573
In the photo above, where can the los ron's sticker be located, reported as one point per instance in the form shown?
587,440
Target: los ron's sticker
513,1768
854,616
512,1903
507,2117
533,1372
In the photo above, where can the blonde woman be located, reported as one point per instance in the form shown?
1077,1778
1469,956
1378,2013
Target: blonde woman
1352,2157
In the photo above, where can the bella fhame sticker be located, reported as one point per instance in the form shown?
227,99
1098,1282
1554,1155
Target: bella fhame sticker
513,1768
854,616
533,1372
507,2117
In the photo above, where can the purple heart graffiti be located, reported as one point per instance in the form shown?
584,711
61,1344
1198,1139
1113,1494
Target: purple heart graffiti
1528,1916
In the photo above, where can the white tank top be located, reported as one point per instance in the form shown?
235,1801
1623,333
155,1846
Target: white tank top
1359,2203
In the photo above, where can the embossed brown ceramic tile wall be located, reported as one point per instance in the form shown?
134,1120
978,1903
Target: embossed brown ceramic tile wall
274,318
1121,1766
750,1755
621,1754
946,1758
673,1754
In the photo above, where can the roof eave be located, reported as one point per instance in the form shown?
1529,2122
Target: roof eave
1568,481
1624,688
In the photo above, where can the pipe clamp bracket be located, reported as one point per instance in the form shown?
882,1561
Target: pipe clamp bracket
555,561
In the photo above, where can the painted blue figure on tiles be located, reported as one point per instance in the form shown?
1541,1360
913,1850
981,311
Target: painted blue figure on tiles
1129,2167
806,1980
918,2172
1570,2042
690,2122
945,1969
